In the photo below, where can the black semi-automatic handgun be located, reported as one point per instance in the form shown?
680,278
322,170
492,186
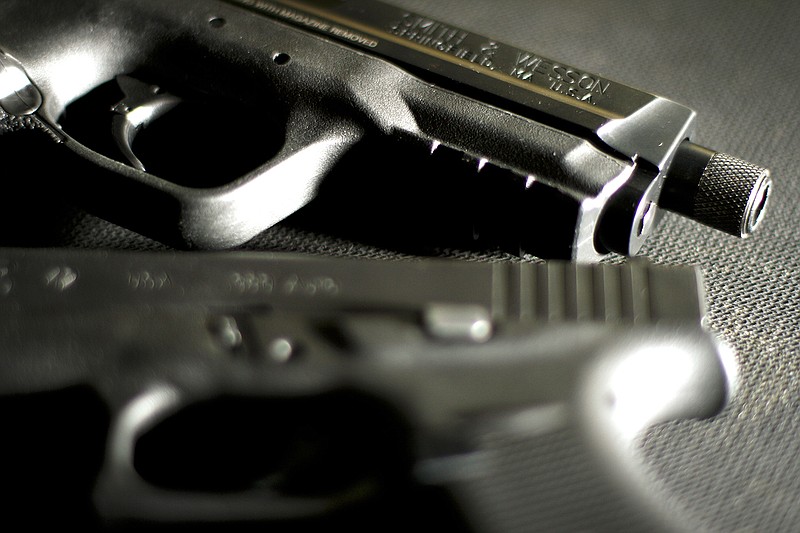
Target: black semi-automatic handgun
232,388
276,95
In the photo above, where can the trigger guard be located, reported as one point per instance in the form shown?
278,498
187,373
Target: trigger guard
227,216
122,494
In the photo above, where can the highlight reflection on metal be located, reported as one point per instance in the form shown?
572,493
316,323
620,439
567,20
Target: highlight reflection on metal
18,96
648,380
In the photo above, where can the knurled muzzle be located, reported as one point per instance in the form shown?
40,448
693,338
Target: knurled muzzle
732,195
716,189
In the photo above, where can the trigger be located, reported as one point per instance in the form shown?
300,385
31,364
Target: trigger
142,104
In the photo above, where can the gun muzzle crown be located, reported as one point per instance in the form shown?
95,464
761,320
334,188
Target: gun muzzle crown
717,189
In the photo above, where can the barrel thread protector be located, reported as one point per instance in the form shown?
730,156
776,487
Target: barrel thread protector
732,195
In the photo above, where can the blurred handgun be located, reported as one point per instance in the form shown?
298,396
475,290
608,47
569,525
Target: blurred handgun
277,93
237,389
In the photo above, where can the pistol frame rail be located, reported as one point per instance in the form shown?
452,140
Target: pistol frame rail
319,385
570,150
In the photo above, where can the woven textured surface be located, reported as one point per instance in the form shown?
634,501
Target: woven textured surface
735,63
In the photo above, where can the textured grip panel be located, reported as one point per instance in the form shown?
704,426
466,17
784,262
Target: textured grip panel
10,123
732,195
